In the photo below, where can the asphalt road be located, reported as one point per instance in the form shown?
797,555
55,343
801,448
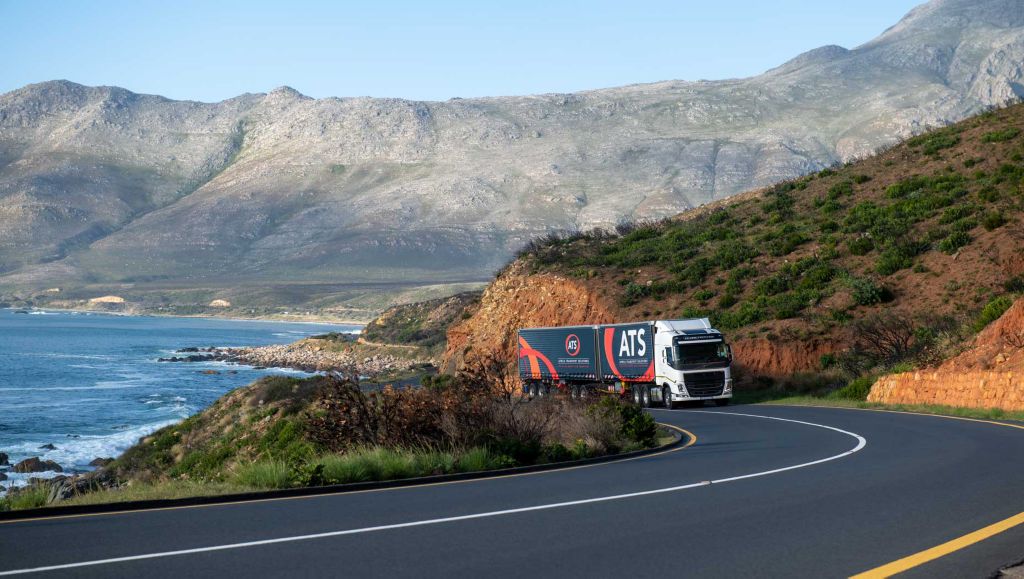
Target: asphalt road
890,486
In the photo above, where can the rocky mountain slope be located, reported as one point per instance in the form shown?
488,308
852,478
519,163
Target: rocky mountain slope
886,263
102,186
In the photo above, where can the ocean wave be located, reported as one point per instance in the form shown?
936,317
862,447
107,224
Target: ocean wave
77,453
59,355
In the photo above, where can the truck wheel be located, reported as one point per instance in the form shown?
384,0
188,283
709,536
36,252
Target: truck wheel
544,390
636,396
666,397
574,392
584,392
533,390
645,396
722,402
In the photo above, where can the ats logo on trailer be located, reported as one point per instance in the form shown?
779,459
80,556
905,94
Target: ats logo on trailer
572,344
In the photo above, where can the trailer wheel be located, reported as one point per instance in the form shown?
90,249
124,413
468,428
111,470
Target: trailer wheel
584,392
666,398
574,392
636,395
534,390
544,390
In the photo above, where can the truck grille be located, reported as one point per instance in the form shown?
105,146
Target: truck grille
704,383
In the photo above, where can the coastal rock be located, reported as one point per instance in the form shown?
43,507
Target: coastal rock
317,355
3,476
100,462
4,459
48,446
210,372
35,464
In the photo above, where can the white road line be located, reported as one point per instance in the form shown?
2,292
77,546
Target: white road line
861,443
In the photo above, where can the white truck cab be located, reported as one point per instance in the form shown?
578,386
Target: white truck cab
692,363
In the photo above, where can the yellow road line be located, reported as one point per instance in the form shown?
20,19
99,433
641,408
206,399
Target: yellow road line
917,559
691,436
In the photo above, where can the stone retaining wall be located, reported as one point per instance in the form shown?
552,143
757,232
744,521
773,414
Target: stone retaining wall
973,389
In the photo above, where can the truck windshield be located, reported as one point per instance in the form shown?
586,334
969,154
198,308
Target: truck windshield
706,354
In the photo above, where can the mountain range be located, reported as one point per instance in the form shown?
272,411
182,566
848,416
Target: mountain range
102,188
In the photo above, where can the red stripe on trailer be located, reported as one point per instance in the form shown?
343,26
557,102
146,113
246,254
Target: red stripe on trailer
526,351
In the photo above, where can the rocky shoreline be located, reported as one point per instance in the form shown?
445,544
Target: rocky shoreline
307,356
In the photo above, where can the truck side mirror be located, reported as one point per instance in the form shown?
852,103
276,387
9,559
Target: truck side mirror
728,351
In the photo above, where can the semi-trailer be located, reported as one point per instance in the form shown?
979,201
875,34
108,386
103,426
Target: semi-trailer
657,362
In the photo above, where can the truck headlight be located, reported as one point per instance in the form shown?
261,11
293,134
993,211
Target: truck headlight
728,386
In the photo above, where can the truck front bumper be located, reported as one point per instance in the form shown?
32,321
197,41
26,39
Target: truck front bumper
683,395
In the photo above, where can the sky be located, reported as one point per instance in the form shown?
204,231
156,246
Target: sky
425,50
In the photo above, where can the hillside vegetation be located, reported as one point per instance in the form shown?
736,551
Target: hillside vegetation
890,261
285,432
421,324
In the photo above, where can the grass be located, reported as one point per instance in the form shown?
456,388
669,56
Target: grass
359,465
270,474
146,492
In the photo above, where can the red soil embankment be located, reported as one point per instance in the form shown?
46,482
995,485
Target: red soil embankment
988,375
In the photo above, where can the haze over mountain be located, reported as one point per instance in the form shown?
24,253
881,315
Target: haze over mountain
99,185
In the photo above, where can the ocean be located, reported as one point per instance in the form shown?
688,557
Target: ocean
90,384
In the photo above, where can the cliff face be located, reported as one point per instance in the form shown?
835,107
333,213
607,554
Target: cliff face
102,185
989,374
516,300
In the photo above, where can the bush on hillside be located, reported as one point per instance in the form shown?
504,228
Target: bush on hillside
992,311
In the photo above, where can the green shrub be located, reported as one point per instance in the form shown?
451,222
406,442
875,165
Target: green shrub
786,242
906,186
344,469
747,313
478,459
556,452
816,277
734,252
840,189
703,295
433,462
858,179
935,141
957,212
989,194
1001,135
30,497
954,241
866,292
269,474
992,311
993,220
892,260
787,305
727,301
860,245
827,361
774,284
637,425
857,389
634,293
1014,284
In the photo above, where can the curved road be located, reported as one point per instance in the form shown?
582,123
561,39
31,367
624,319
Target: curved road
869,488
